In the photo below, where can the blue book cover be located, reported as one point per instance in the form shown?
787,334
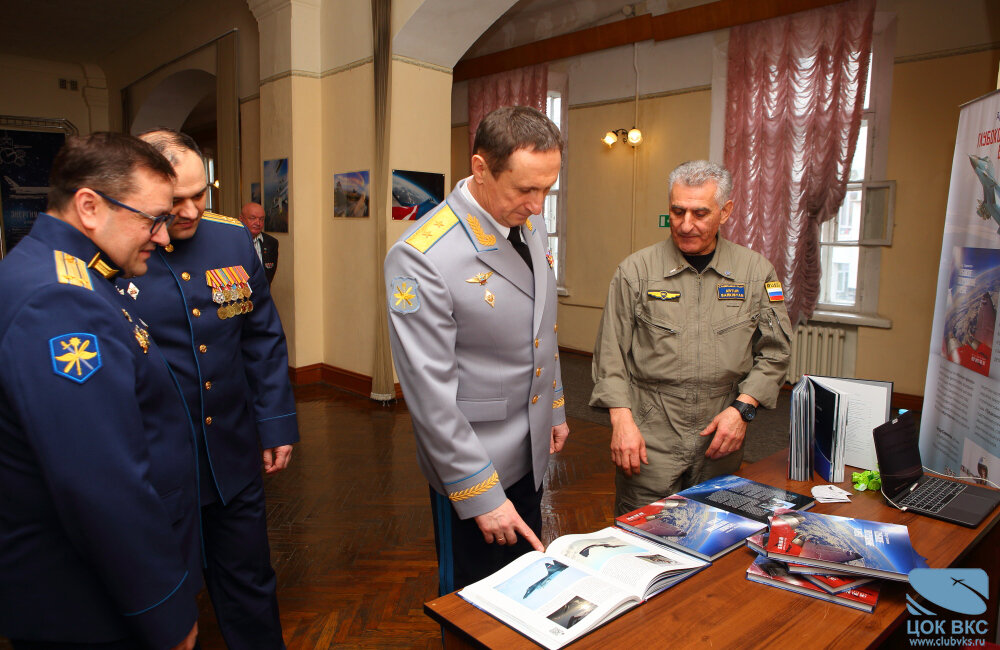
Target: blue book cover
871,548
746,498
687,525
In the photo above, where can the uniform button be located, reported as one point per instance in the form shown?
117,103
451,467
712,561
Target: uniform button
196,312
208,385
553,383
536,343
538,372
555,328
185,276
203,348
169,248
557,356
534,400
208,420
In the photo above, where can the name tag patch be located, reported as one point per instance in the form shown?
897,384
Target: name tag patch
732,292
774,292
664,295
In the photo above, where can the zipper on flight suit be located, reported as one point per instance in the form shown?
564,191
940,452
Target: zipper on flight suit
647,321
742,322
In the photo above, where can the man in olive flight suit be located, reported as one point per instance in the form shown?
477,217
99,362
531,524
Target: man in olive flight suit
694,338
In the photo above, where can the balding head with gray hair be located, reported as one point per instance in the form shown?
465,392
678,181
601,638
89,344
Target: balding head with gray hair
695,173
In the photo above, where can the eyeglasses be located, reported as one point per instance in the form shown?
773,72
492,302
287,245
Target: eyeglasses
157,221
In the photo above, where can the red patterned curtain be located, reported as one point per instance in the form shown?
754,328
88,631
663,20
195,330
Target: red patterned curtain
795,94
521,87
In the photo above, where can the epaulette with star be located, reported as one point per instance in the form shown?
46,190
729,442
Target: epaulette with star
434,229
218,218
72,270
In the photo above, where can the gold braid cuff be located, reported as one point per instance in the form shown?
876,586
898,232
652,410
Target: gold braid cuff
475,490
559,402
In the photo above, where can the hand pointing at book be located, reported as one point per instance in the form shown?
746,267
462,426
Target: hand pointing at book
501,526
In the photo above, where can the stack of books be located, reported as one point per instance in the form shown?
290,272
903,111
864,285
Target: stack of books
582,581
837,559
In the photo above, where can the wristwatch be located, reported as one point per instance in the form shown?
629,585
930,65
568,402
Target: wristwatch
747,412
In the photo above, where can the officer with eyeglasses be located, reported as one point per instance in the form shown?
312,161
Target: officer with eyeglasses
99,543
207,302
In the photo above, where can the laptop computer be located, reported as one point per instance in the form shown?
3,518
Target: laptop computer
904,481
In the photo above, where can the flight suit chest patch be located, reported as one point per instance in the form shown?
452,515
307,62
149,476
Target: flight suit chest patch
731,291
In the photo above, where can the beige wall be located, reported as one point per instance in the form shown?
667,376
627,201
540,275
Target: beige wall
349,262
600,230
926,96
30,88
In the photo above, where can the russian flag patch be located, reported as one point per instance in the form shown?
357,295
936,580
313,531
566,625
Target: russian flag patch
774,292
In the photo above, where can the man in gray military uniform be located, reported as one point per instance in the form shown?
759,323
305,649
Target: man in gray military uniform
472,323
694,337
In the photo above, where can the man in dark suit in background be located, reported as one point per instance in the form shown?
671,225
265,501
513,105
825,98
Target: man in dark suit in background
252,216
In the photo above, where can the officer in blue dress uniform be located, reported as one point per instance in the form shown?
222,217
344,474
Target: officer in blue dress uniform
207,297
98,503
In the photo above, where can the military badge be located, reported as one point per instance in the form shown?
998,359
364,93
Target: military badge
774,292
133,291
142,338
732,291
75,356
548,258
127,316
480,278
664,295
490,298
404,295
531,228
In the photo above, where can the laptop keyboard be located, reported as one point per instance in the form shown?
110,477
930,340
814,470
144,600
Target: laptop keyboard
932,495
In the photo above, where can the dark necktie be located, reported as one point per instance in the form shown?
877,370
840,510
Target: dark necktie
514,237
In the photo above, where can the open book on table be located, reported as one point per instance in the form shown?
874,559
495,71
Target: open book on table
579,583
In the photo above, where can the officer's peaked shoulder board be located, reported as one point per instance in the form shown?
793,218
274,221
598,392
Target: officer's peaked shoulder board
433,229
218,218
72,270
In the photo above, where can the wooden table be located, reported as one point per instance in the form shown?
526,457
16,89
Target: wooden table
720,608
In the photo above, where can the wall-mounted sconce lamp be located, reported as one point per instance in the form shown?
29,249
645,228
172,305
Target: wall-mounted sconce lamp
631,136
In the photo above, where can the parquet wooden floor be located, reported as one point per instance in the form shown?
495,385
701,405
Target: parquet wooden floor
350,524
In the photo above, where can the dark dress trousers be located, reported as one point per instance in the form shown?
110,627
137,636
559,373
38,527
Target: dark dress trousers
207,302
98,503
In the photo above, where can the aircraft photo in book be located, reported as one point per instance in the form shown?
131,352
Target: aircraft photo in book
870,548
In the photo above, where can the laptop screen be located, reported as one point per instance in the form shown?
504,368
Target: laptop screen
898,453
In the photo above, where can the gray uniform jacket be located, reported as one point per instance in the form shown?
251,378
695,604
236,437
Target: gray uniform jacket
473,337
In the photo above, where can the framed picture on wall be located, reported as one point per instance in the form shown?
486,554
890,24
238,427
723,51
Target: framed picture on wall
276,195
414,194
350,194
28,147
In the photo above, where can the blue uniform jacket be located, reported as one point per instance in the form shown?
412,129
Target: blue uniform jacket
98,510
226,345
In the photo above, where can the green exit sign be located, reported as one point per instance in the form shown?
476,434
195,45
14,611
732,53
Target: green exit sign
664,221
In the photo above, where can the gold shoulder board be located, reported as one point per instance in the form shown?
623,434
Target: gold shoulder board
218,218
427,235
72,270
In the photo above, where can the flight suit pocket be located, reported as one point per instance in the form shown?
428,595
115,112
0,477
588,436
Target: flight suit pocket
656,345
734,337
483,410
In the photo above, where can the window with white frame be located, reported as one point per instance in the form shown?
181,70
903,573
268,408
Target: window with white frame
554,211
850,252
